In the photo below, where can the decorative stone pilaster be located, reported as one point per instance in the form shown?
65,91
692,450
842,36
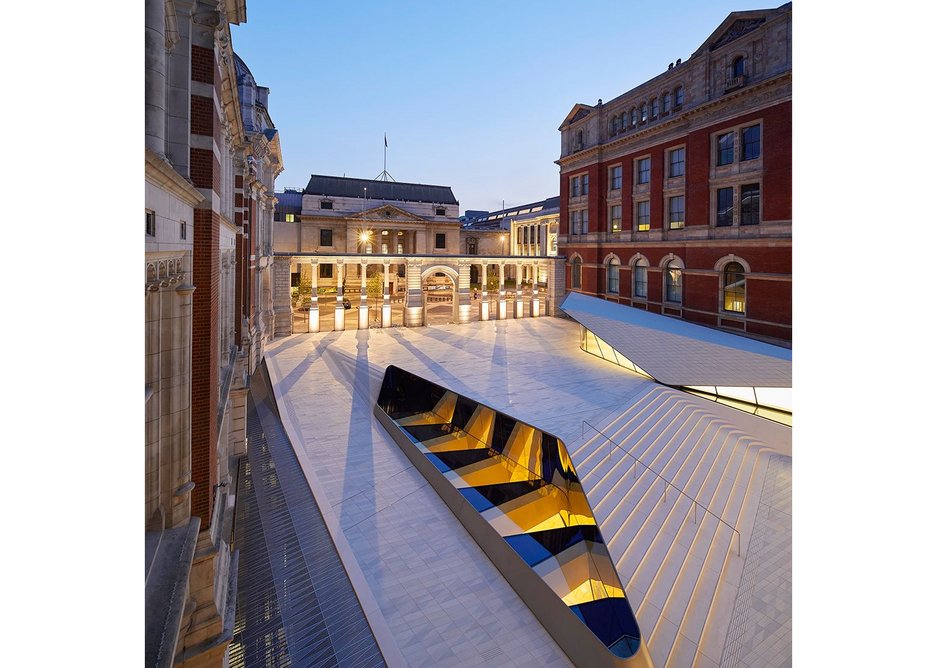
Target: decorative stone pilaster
483,304
385,307
518,291
363,301
413,312
502,294
556,284
283,312
314,301
463,292
534,298
340,296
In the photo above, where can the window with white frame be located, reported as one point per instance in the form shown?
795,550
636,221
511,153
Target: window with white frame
673,282
614,218
643,171
642,216
640,279
677,160
615,178
733,290
725,149
751,142
676,212
611,273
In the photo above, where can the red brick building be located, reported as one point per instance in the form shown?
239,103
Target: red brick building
675,197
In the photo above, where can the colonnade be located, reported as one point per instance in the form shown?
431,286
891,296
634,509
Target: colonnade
418,268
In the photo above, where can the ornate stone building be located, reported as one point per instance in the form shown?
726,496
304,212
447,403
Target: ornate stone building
675,197
211,157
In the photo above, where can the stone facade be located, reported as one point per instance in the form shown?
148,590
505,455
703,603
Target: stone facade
209,182
675,197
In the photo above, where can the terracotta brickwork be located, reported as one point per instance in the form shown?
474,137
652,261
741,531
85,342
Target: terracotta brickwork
599,138
203,64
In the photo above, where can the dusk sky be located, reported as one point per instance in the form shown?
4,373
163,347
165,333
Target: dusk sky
470,94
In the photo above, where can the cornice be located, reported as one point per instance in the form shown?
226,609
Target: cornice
161,173
721,108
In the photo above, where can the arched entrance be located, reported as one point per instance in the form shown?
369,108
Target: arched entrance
440,287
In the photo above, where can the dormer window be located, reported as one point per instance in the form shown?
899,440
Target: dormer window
440,211
325,204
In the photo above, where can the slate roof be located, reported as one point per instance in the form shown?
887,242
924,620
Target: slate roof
289,201
340,186
679,353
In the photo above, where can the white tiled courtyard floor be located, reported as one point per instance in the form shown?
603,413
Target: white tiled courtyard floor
443,600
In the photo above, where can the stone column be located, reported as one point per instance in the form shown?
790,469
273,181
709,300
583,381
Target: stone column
534,299
339,296
502,295
413,311
314,305
385,307
363,302
283,312
518,292
556,284
483,305
463,291
155,76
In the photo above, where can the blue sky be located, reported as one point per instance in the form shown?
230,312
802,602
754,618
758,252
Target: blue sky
470,94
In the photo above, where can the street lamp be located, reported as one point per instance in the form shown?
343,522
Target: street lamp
503,237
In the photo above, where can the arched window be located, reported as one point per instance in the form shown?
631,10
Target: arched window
678,96
640,279
577,273
673,282
611,273
738,66
655,108
634,116
665,102
644,112
733,288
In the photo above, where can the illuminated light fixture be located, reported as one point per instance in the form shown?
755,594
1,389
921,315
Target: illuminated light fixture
364,235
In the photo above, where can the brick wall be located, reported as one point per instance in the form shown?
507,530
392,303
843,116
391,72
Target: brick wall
203,64
205,275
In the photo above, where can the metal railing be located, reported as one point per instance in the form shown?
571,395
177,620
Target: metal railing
667,483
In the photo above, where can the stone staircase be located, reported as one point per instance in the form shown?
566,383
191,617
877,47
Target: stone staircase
678,562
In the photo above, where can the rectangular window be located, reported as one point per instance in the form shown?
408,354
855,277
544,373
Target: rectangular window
151,223
640,281
585,184
325,270
751,142
677,162
725,148
440,211
751,204
182,230
291,217
642,216
615,219
616,178
724,211
400,247
644,170
440,240
677,215
574,186
575,222
325,237
325,204
585,221
655,109
525,235
383,248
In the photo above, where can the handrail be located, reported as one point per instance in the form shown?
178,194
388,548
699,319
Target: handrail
667,483
532,475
